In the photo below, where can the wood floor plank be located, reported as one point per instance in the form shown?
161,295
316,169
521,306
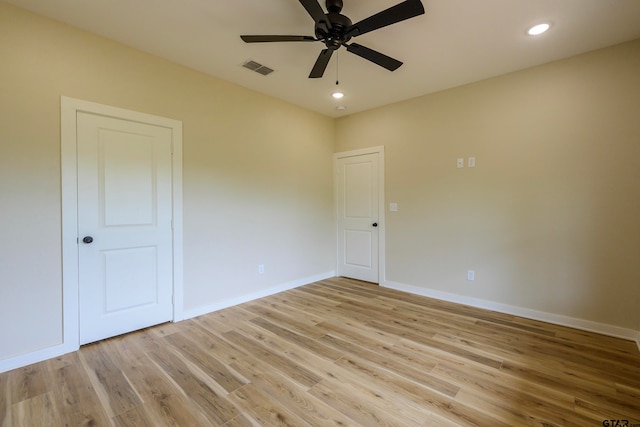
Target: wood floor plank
359,333
391,362
294,371
214,406
630,394
486,388
164,402
334,295
510,415
27,382
311,344
332,372
335,312
5,401
426,399
498,349
113,389
295,397
165,329
75,397
38,411
232,315
431,344
365,410
597,412
338,352
211,342
294,320
557,380
436,420
608,404
264,409
242,420
68,359
299,299
137,417
563,350
217,370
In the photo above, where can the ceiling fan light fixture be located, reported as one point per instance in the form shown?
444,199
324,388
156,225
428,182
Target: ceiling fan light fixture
538,29
337,94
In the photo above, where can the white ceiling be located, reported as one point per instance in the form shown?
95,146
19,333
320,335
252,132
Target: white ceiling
454,43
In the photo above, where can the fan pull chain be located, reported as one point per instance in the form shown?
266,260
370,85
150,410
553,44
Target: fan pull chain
337,94
337,67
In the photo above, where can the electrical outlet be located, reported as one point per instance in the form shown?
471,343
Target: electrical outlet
471,162
261,269
471,275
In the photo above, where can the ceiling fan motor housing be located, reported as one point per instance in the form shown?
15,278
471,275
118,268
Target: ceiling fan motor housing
335,37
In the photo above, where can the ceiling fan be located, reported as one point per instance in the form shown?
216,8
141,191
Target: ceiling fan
335,30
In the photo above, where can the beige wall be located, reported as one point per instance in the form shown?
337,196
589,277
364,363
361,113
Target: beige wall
257,173
550,217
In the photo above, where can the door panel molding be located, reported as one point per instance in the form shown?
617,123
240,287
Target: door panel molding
70,108
381,205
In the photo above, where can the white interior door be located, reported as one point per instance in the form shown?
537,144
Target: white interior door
358,216
124,225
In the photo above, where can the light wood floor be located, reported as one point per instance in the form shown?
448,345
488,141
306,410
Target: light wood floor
336,352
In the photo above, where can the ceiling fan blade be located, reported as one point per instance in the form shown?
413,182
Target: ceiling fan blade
405,10
267,39
315,10
374,56
321,64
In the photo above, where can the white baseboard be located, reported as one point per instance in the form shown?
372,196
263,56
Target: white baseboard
199,311
19,361
586,325
58,350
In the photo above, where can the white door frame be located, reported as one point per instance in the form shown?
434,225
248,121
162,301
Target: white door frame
381,204
69,168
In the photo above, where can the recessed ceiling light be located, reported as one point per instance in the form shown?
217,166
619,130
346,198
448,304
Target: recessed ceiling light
341,108
538,29
337,94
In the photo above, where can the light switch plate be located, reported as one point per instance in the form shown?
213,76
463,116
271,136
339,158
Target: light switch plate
393,207
460,162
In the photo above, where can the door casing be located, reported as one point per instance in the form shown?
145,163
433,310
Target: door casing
69,186
381,204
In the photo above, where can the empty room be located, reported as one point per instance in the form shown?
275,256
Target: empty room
315,213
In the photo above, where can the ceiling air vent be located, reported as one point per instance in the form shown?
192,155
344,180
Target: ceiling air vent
257,67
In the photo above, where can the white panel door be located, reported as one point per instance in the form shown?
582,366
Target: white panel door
357,200
124,226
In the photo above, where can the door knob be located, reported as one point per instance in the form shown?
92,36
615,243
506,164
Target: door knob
87,239
375,224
